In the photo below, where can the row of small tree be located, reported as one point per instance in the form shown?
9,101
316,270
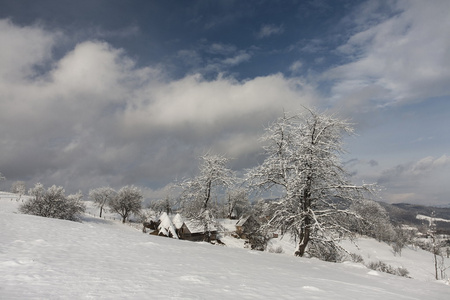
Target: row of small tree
53,203
127,201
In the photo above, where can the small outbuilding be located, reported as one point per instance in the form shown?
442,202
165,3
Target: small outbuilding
246,225
193,231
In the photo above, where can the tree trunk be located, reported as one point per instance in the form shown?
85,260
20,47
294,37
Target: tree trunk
208,195
304,239
305,230
436,267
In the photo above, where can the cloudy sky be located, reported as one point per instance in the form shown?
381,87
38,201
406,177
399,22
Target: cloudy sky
113,92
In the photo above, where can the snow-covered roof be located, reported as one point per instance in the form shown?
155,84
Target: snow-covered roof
242,221
197,227
178,221
166,226
227,224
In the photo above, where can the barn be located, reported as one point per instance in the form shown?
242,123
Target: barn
193,231
246,225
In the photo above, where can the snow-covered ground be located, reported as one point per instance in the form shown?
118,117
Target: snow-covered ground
418,262
44,258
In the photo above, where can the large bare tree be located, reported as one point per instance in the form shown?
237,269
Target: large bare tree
303,164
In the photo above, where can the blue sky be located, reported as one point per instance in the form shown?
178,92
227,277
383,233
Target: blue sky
97,93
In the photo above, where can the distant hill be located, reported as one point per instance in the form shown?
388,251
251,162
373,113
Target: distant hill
405,213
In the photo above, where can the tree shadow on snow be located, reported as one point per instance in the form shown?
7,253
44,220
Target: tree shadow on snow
90,219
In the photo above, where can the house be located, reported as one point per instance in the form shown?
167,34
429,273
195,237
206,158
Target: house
246,225
194,231
161,227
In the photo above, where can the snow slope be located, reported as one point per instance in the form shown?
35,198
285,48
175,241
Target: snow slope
54,259
418,262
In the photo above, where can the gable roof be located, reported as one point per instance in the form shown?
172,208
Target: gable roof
196,227
166,227
242,220
178,221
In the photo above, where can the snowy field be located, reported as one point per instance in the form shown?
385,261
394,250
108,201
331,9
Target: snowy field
102,259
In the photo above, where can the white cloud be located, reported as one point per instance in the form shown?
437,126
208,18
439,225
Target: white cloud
429,163
193,100
94,118
237,59
213,58
269,30
23,48
296,66
402,58
223,49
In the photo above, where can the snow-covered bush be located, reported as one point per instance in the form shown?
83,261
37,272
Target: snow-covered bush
357,258
52,203
374,220
326,251
258,238
277,250
383,267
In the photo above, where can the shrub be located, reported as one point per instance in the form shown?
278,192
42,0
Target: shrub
52,203
277,250
326,251
356,258
258,240
402,272
383,267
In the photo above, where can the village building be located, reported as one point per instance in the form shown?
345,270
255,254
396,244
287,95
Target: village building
193,231
166,227
178,223
246,225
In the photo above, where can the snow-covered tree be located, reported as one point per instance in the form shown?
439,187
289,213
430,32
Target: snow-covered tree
18,187
436,249
101,196
374,220
303,163
127,201
197,192
162,205
52,203
238,203
76,205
